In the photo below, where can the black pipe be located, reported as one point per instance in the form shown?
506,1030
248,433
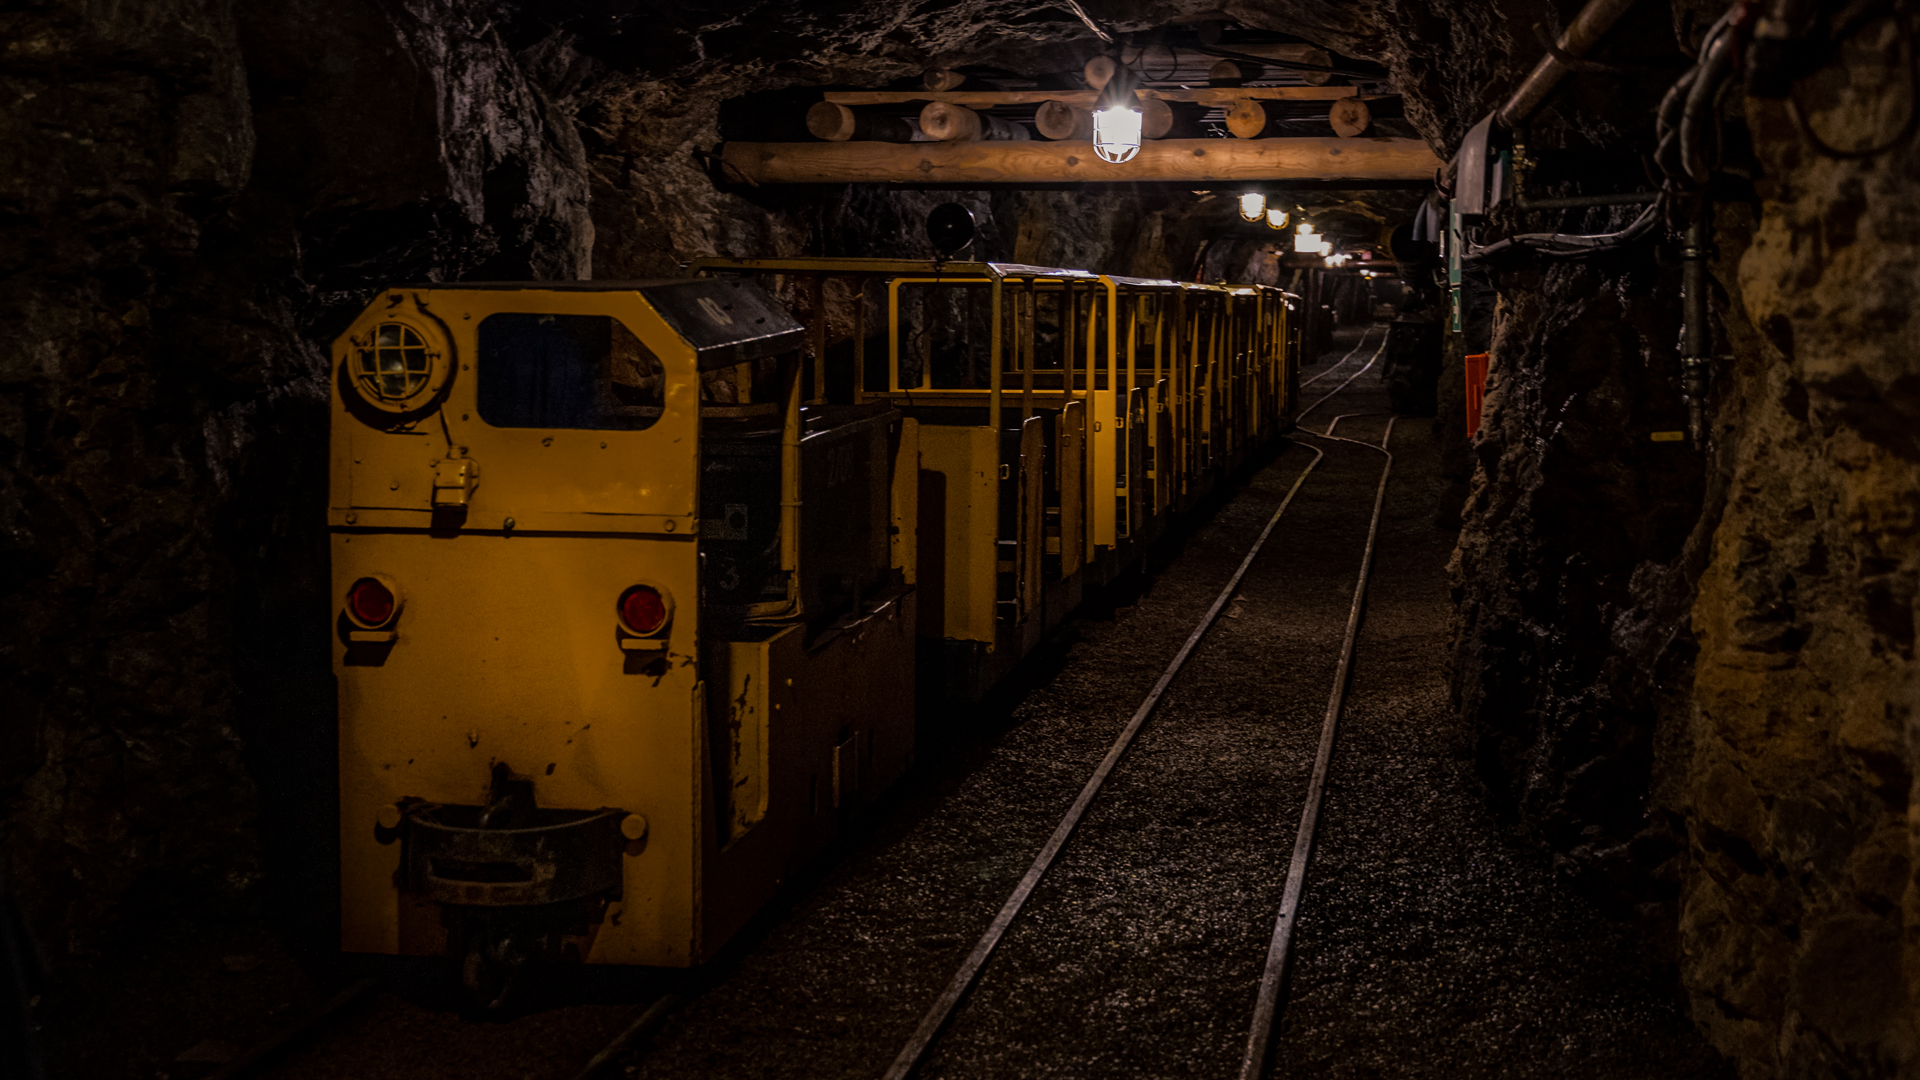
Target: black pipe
1575,202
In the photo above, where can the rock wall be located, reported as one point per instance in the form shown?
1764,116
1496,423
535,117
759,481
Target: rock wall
1802,918
1693,674
199,195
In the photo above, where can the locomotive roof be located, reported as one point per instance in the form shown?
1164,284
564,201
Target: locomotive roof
829,265
595,285
726,320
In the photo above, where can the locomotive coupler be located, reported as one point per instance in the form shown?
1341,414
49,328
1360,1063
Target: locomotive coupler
513,880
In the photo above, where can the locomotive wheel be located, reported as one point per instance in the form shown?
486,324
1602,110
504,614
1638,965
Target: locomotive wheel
493,972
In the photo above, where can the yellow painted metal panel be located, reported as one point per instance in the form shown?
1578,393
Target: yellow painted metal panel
1071,474
507,650
741,674
1033,514
906,501
1103,443
960,509
523,471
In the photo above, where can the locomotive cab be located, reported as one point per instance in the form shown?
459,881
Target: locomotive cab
623,632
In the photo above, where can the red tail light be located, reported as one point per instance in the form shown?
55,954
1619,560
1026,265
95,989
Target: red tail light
371,603
643,610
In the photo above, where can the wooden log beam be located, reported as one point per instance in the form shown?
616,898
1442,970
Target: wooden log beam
957,123
1183,160
825,120
1298,54
1059,120
1350,118
981,99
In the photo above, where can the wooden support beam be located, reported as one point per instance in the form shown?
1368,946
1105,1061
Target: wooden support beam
981,99
1183,160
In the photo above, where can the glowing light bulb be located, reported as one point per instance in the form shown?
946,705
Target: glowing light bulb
1306,228
1276,219
1252,205
1326,247
1116,133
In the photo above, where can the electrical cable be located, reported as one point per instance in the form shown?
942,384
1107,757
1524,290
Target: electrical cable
1681,121
1098,30
1715,70
1573,245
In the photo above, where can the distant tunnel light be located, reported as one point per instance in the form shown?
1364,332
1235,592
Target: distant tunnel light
1253,204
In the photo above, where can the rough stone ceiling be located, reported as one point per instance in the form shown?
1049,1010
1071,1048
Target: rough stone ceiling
861,40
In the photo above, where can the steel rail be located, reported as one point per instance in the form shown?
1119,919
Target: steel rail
1280,951
1302,414
936,1018
1335,366
647,1021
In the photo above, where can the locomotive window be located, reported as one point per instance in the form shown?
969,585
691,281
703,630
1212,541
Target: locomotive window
567,371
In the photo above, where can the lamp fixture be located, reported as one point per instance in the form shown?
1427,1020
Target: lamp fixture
1252,205
1276,219
1305,241
1116,117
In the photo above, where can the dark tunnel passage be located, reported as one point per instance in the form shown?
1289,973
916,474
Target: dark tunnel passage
990,538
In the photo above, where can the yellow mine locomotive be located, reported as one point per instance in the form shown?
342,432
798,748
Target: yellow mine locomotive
632,589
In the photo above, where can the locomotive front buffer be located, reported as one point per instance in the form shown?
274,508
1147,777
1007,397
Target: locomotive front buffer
624,630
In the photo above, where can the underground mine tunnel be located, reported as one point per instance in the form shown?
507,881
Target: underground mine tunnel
1261,538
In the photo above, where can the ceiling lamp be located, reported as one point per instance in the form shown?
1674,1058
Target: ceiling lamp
1252,205
1305,241
1276,219
1116,118
1326,247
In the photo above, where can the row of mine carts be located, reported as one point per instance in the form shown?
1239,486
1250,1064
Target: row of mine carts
638,583
1121,401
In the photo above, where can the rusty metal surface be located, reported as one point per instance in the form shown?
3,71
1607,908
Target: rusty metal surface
569,855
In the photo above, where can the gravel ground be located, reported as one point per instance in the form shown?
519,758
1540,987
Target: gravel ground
1429,942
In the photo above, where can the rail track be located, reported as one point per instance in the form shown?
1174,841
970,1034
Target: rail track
1335,366
935,1021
